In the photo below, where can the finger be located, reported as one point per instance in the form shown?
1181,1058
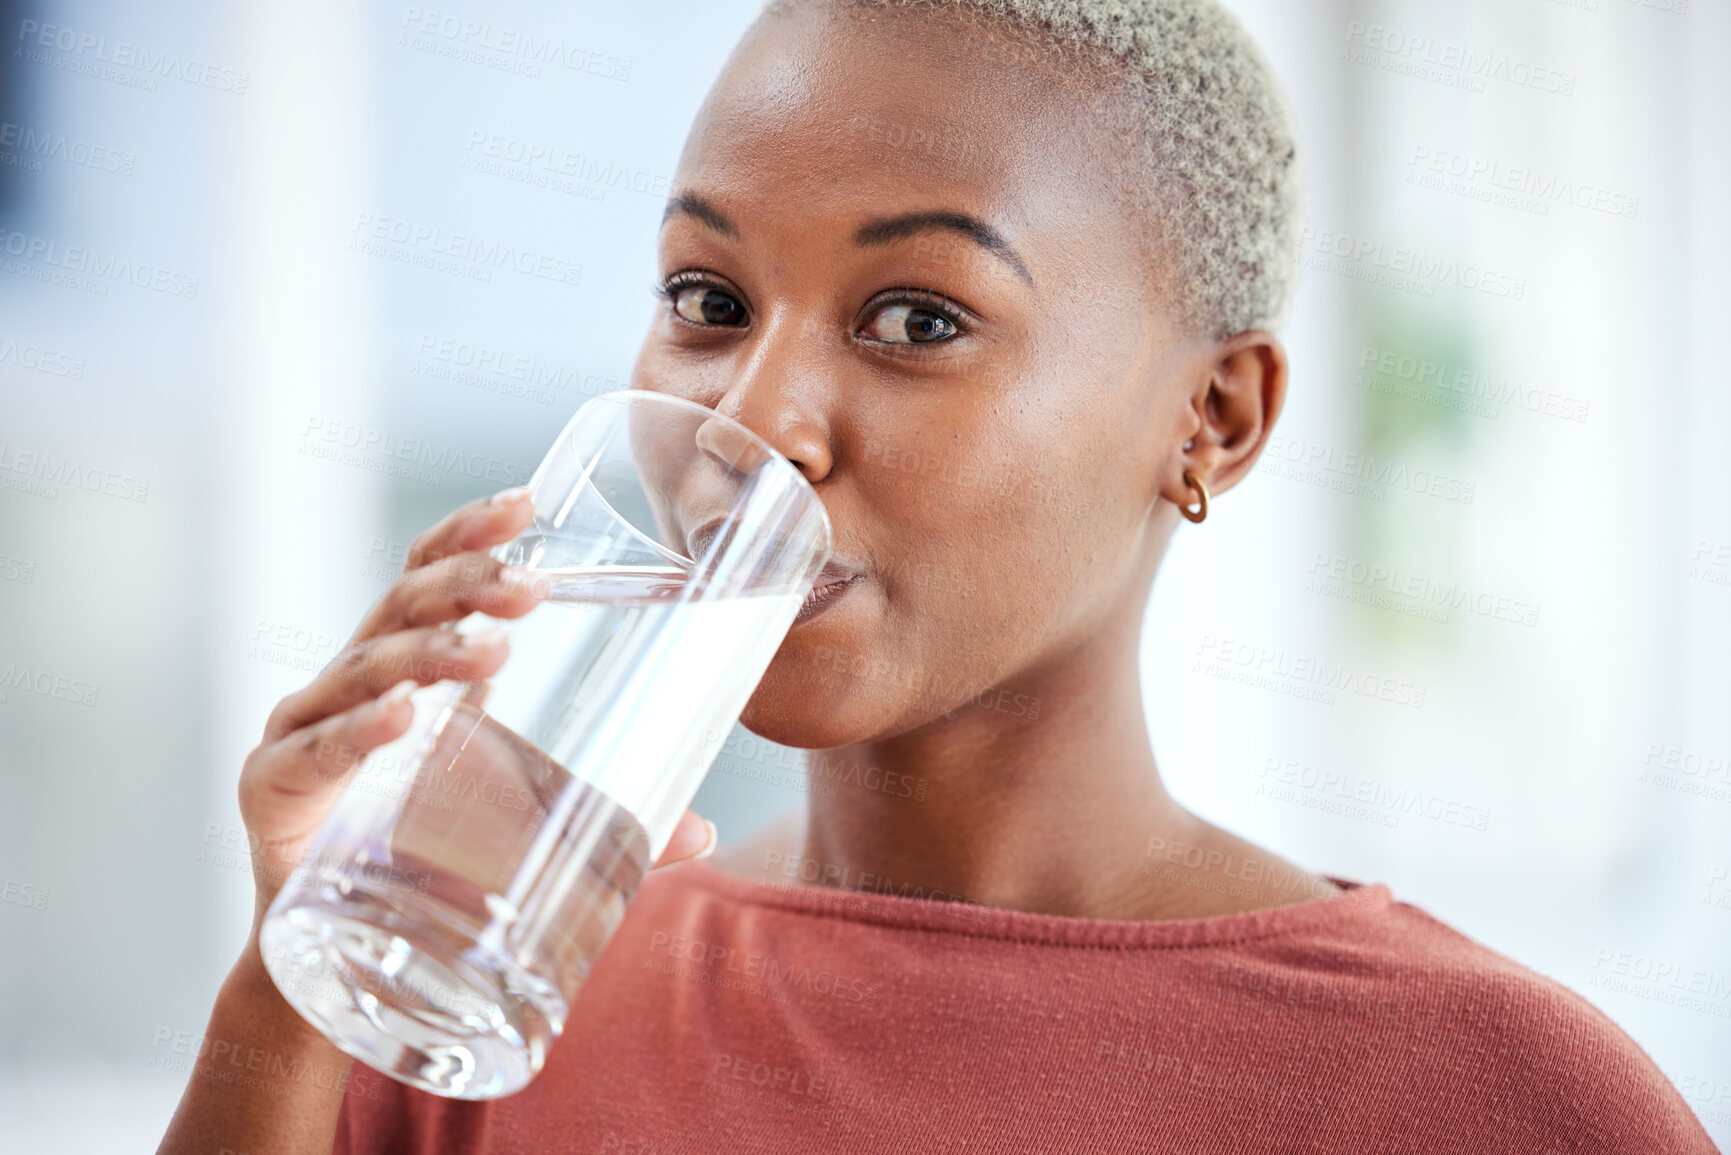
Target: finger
364,671
449,589
478,524
287,785
693,837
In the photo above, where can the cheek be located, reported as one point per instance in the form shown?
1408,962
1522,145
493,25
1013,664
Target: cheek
977,568
701,376
981,546
1042,543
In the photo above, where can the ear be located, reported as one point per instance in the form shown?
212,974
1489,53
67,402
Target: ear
1232,407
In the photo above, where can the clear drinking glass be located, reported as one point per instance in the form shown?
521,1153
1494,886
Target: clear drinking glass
471,873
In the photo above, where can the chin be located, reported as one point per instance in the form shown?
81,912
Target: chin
793,709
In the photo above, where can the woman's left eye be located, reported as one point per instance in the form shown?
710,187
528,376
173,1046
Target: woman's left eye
909,325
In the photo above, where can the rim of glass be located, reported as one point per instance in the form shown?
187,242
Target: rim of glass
774,454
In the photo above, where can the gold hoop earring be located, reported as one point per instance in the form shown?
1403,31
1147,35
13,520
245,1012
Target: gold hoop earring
1190,480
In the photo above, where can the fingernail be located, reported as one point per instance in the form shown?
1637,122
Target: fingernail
398,692
714,841
491,636
506,496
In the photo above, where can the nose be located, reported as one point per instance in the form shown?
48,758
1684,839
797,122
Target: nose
777,393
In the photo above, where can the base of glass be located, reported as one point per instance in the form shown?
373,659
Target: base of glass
461,1023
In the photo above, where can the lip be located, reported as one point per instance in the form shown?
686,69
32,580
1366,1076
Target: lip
836,569
699,539
826,591
833,581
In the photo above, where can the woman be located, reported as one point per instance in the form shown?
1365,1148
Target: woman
1001,277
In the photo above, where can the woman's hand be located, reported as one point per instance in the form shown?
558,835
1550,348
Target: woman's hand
317,736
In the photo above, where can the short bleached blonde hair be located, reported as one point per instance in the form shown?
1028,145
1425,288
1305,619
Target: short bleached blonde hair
1219,170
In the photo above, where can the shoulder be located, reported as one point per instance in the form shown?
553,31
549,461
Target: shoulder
1520,1045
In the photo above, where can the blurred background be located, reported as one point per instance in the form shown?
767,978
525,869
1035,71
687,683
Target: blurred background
1466,630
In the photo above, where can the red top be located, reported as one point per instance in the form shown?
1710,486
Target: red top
739,1016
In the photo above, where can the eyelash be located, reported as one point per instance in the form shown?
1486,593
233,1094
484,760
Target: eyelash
667,289
930,302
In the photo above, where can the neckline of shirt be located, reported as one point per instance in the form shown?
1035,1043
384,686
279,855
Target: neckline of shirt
1356,902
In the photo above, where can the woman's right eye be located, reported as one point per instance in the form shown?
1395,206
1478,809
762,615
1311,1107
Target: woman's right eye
704,305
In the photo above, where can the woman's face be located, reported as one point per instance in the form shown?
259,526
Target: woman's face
902,262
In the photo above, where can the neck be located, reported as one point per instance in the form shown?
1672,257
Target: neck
1041,796
1038,796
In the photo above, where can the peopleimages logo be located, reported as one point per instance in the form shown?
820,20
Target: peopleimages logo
553,161
469,255
1386,802
1432,592
1360,473
1424,268
1310,677
22,894
1466,384
28,355
88,47
48,472
405,455
1461,65
1544,188
46,683
1665,980
447,34
488,360
78,259
24,142
773,973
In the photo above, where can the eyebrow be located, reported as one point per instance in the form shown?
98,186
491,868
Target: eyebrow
692,205
882,232
875,232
